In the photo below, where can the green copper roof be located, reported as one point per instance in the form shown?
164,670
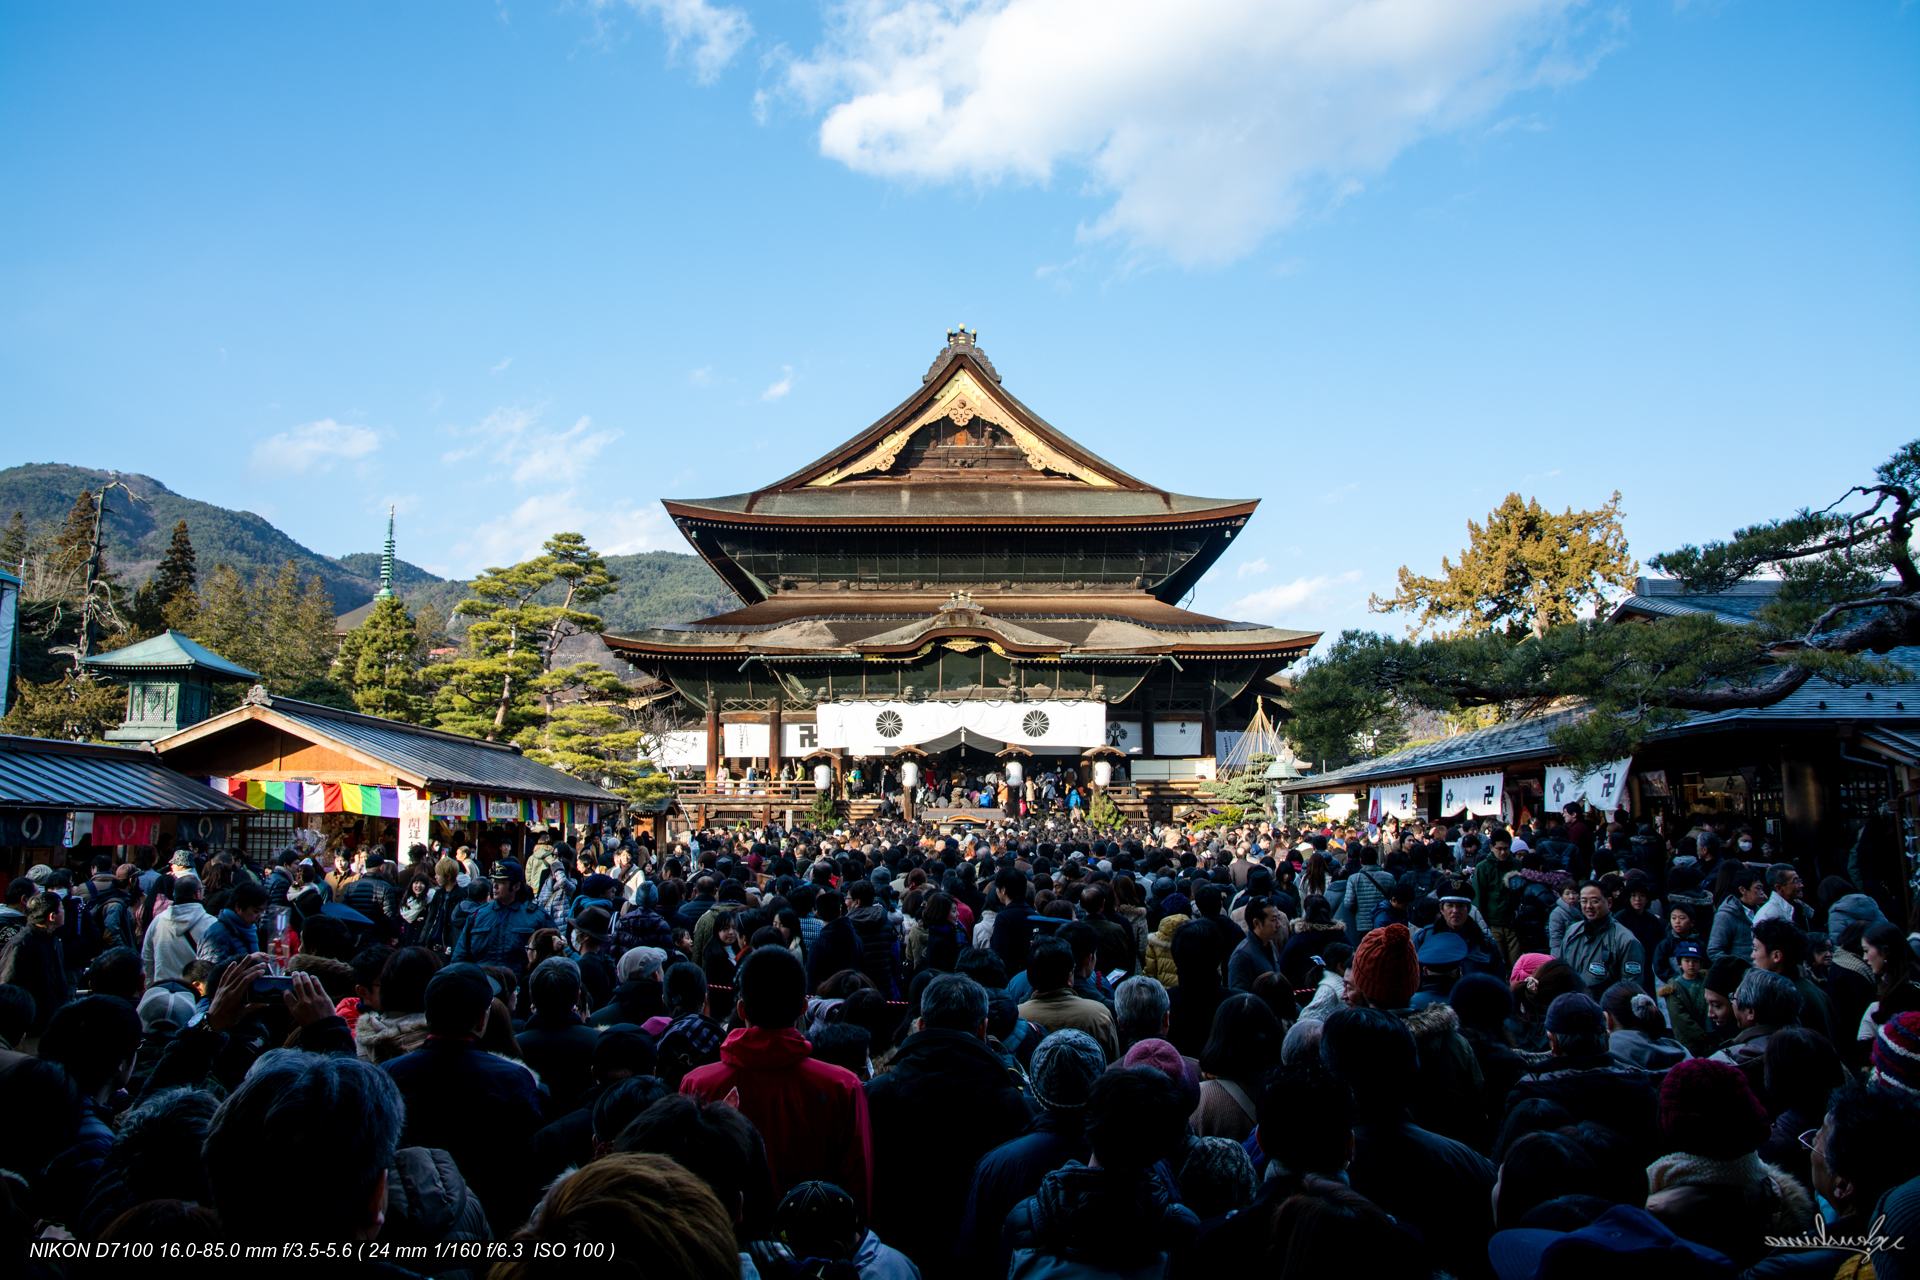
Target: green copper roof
169,651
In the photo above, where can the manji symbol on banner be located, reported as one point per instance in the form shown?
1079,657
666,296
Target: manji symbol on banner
1605,788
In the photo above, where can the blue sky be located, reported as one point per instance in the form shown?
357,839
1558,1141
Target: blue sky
532,266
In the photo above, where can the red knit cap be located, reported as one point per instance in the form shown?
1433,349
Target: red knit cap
1386,969
1707,1109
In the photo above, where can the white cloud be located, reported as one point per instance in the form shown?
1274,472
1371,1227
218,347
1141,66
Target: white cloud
513,437
517,534
1275,603
781,387
709,35
701,377
1251,568
501,367
1210,123
313,447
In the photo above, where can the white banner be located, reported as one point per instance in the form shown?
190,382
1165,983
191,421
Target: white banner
1395,800
797,740
1125,735
1176,737
744,741
413,817
881,728
1605,788
1479,794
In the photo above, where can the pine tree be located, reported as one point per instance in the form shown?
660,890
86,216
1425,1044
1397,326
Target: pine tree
78,708
380,659
491,691
1524,571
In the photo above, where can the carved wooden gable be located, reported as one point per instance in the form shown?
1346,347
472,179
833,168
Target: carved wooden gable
963,434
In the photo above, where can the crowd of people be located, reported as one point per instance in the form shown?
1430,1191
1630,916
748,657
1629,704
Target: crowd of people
1027,1049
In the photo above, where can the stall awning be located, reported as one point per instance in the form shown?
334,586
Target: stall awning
36,773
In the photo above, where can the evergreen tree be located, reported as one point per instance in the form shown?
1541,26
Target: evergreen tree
75,707
225,621
491,690
1103,814
380,660
13,544
1524,571
168,598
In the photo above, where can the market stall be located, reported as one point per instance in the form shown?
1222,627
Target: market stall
319,777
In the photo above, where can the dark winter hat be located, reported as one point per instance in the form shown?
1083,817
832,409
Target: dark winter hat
1575,1013
1482,1001
1176,904
1063,1070
1707,1109
596,884
455,1000
1167,1060
1896,1055
1385,969
817,1220
1688,951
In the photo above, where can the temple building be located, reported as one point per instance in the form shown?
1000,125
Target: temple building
962,576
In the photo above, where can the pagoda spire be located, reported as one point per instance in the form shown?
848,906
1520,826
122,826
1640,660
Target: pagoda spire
386,562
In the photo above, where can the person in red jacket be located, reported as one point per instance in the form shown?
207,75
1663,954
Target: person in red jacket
811,1115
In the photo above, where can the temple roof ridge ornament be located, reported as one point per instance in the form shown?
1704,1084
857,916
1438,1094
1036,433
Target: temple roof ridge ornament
959,340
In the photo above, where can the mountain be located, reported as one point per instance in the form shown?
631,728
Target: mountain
655,586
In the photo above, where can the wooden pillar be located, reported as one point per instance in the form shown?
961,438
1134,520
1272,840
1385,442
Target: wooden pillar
773,739
1146,721
713,739
1206,733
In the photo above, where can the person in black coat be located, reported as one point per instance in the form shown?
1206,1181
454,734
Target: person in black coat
1586,1079
478,1107
639,995
556,1042
35,962
944,1067
838,946
1442,1188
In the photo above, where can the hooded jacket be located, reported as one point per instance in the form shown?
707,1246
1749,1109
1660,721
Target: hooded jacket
429,1204
1637,1049
918,1201
173,941
1686,1004
879,948
380,1037
1085,1223
1593,1086
1728,1204
1449,1098
1159,959
227,937
812,1115
1732,933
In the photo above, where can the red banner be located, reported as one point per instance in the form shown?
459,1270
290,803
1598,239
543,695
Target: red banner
125,828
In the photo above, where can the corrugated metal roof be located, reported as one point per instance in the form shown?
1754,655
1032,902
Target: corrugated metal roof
446,761
1817,701
38,774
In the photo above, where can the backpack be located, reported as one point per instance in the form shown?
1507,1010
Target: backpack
82,937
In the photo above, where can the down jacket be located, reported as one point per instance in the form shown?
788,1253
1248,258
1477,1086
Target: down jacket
1159,959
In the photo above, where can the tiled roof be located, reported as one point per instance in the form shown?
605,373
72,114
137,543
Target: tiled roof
39,774
443,761
168,651
1816,701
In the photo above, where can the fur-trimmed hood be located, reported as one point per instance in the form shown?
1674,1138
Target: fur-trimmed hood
1307,926
1554,880
1434,1023
1683,1169
1162,938
380,1036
